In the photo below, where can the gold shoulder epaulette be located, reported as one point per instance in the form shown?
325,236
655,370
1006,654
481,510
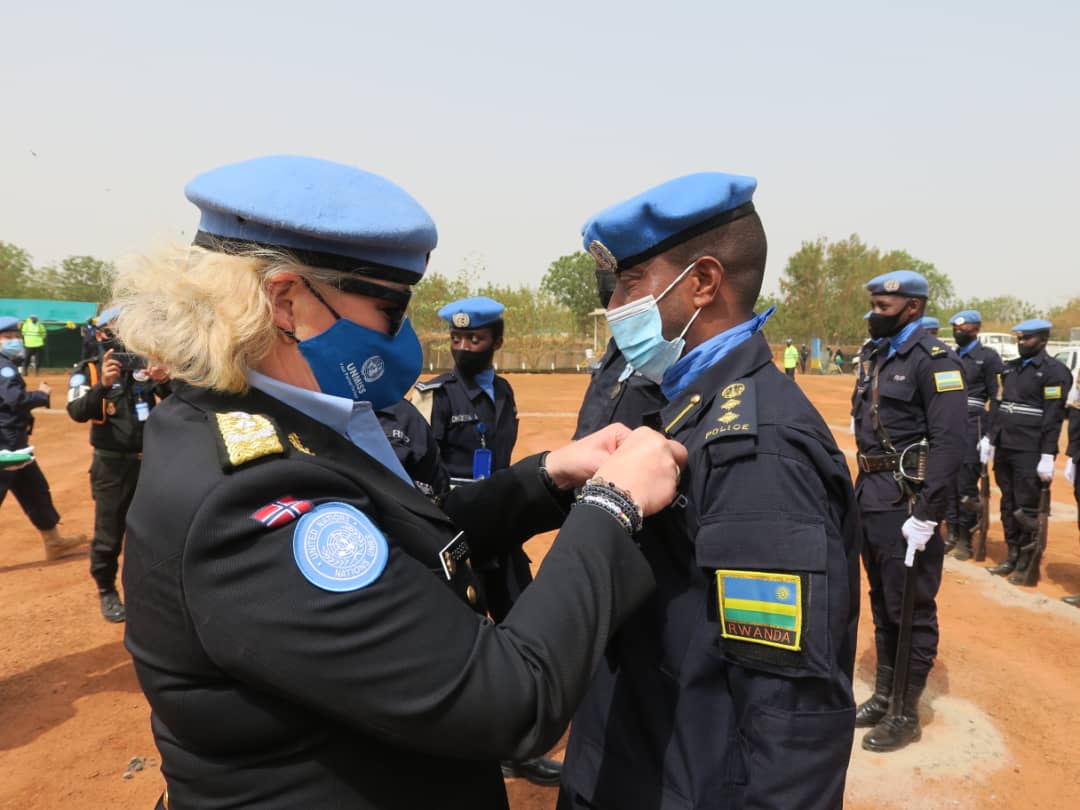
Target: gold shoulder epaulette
245,437
937,351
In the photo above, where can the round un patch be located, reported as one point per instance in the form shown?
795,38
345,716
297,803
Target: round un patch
338,548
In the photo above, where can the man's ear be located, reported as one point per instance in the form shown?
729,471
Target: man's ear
708,275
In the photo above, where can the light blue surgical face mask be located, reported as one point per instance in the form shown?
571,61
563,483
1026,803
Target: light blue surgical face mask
638,331
12,347
361,364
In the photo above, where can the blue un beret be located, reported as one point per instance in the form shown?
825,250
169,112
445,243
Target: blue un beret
667,215
9,324
899,282
472,313
930,323
327,214
1033,325
108,316
966,316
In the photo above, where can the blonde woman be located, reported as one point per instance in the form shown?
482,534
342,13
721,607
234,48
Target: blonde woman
307,625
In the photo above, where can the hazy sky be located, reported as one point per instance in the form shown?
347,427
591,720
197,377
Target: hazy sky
948,129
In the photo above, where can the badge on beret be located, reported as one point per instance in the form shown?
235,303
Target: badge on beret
460,320
338,548
959,321
605,259
891,285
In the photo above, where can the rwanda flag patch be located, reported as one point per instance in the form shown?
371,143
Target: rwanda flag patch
1052,392
761,608
948,381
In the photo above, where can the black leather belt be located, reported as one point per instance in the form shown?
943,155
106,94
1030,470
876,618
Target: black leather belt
885,462
117,454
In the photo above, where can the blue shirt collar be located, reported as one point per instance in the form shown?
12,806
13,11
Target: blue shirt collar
966,350
900,338
486,380
705,355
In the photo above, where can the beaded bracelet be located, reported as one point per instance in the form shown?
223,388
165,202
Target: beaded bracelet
617,502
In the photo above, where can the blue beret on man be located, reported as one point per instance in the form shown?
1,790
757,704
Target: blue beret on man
326,214
930,323
9,324
966,316
899,282
472,313
665,216
1030,327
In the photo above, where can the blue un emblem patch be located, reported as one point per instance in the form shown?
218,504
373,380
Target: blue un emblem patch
338,548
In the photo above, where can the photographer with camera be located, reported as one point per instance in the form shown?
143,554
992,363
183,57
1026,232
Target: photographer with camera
114,392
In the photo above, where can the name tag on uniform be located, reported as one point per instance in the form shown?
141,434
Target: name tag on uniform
761,608
1052,392
948,381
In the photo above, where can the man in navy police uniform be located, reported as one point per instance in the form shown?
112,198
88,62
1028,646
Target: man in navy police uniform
910,389
1024,440
746,649
982,373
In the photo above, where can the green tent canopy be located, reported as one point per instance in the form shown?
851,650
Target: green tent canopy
63,349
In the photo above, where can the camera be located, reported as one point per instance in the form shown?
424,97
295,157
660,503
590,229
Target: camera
129,361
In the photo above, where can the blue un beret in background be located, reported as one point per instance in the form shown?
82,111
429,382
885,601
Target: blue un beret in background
930,323
1033,325
328,214
107,316
667,215
472,313
966,316
8,323
899,282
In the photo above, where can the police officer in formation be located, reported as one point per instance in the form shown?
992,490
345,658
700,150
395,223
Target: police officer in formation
306,624
910,419
746,649
931,325
1024,440
22,476
115,392
616,393
982,373
1073,453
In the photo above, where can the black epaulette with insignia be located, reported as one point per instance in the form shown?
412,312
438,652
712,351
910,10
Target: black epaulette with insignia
430,385
245,437
733,414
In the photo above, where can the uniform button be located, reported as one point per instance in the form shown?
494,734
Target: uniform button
470,594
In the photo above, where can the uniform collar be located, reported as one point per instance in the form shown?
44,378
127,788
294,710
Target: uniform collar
902,341
966,350
1036,361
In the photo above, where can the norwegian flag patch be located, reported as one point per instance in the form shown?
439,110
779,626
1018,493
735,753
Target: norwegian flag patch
282,511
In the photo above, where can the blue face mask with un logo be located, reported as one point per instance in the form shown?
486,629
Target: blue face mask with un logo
638,331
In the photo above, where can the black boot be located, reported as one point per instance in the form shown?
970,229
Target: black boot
1007,567
1023,563
539,771
963,544
1072,600
870,711
951,538
896,731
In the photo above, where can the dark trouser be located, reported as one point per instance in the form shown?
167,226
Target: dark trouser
883,558
112,482
504,583
1019,485
967,478
33,357
32,492
790,372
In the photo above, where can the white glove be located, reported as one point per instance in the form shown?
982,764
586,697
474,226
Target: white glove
1045,468
853,425
1074,395
1070,471
917,533
986,450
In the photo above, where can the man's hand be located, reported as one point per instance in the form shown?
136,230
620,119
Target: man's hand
575,463
45,388
648,466
986,450
110,369
1070,471
917,533
1045,468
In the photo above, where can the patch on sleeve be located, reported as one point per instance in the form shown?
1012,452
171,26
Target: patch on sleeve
338,548
246,437
761,608
283,510
77,380
7,372
1051,392
948,381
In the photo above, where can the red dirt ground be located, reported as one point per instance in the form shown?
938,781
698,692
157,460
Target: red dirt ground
1000,712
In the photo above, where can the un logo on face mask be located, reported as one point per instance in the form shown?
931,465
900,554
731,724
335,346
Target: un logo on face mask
372,369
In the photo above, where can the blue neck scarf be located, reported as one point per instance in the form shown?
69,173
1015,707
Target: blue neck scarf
689,367
898,340
486,380
964,351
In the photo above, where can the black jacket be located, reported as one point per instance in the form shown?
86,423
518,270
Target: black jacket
267,691
607,400
16,423
982,373
111,411
695,711
415,447
1032,404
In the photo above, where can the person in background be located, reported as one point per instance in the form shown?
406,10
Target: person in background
115,392
838,361
34,335
25,479
89,340
415,446
804,357
791,359
306,625
931,325
1073,453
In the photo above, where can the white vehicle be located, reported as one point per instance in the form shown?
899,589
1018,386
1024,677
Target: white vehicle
1070,356
1004,343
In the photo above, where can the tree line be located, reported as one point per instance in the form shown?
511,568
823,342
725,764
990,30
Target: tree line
821,295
